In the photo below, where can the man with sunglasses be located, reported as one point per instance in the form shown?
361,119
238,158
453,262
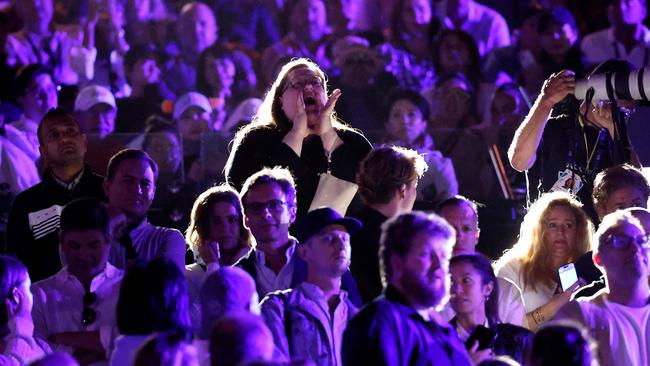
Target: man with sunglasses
619,316
75,308
269,200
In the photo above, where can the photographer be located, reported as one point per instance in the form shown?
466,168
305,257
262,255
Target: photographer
563,144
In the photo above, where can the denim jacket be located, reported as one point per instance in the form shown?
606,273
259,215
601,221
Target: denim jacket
303,327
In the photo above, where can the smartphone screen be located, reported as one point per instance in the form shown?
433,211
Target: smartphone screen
568,275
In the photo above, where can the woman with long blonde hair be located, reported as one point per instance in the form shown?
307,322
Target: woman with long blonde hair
296,128
555,231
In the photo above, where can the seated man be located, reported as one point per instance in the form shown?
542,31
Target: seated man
618,317
462,214
130,187
34,215
76,307
397,328
269,200
307,322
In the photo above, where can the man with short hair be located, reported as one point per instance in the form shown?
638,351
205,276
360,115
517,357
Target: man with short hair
75,309
398,328
462,214
627,38
130,185
307,322
618,317
34,215
387,180
269,201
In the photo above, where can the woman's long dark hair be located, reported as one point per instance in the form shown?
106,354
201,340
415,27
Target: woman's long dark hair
482,265
12,274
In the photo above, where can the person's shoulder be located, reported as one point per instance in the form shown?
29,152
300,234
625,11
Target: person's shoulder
596,37
354,138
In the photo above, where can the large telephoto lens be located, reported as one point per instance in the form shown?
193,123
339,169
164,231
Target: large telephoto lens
625,85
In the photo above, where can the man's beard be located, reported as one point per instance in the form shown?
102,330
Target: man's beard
422,291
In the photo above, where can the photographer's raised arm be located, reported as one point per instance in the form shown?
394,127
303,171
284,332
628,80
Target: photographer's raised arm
522,151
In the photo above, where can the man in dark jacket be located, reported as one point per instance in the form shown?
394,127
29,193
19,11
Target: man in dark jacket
34,216
399,328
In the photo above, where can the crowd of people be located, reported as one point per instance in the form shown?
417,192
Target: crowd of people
298,182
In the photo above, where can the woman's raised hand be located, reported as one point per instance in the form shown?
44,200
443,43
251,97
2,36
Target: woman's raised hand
325,118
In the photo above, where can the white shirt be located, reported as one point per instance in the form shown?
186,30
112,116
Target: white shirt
532,299
195,275
58,304
267,281
26,131
488,28
602,45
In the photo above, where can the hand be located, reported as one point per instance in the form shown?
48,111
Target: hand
325,118
479,356
558,86
209,251
300,129
599,115
557,301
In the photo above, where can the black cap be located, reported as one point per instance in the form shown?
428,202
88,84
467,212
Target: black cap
318,219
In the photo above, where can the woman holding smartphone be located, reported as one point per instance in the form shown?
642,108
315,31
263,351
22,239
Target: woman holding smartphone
555,231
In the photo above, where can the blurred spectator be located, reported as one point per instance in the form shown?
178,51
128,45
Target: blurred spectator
406,126
56,359
227,84
295,127
563,343
95,110
226,291
453,102
308,36
240,339
558,34
196,31
617,317
166,349
35,94
407,55
175,190
246,22
17,169
510,63
486,26
364,82
142,70
34,217
41,42
193,116
413,283
16,326
307,322
628,38
75,308
455,52
130,187
109,40
462,215
555,231
153,298
387,179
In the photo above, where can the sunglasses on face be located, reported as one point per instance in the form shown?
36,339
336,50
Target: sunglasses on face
88,314
258,208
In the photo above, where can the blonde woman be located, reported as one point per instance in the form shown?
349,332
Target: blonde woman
555,231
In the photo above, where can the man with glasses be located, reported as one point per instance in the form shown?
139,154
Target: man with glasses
269,200
75,308
619,316
34,216
307,322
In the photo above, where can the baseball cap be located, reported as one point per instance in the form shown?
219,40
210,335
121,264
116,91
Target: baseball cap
91,95
191,99
318,219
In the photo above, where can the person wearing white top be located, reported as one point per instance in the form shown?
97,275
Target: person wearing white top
75,308
626,39
618,316
555,231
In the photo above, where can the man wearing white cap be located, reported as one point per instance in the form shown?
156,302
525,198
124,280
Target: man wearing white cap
96,110
192,116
